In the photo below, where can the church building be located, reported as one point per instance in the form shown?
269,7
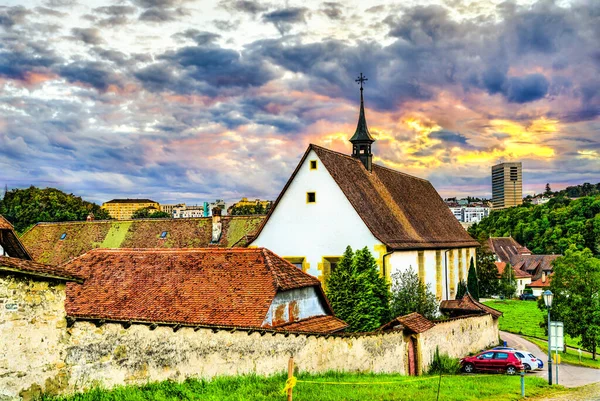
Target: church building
333,200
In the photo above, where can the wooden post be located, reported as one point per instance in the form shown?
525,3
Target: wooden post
290,375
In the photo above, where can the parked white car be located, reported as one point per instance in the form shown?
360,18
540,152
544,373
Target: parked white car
529,361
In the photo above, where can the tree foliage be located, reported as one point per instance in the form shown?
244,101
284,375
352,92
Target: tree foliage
508,284
576,288
244,210
357,293
472,282
410,294
145,213
461,289
26,207
487,272
549,228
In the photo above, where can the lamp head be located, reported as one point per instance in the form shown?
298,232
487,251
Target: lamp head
548,297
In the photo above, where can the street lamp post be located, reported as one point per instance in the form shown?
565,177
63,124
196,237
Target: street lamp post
548,296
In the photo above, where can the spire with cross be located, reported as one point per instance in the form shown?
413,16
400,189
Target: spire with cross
362,139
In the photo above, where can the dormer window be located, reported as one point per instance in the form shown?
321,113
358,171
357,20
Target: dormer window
163,235
63,236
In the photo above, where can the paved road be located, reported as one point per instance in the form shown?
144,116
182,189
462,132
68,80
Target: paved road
568,375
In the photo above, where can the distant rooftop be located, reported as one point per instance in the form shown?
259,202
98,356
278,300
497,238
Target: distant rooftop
131,201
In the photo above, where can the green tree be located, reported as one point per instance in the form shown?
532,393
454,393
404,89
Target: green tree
145,213
548,190
461,290
576,287
508,283
357,292
472,282
410,294
487,272
26,207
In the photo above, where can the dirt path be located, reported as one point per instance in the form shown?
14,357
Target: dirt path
568,375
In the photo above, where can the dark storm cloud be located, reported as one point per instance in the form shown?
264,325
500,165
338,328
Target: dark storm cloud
200,37
115,15
207,67
284,19
16,64
96,74
333,10
527,89
90,36
10,16
252,7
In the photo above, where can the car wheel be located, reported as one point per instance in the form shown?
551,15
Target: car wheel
511,370
469,368
527,367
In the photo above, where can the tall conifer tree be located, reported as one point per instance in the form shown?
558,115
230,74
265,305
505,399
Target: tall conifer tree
472,283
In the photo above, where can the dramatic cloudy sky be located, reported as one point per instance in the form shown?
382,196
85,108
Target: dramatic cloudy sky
187,100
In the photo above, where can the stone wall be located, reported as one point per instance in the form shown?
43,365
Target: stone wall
33,336
39,353
458,337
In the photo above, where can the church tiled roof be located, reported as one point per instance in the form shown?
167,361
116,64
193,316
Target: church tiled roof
45,244
414,322
10,242
9,264
467,305
402,211
316,324
211,287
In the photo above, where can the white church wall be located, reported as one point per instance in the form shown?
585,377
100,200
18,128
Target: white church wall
314,230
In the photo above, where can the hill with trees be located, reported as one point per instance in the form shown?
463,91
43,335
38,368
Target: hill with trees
26,207
548,228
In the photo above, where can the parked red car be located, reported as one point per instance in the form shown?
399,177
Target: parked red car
492,361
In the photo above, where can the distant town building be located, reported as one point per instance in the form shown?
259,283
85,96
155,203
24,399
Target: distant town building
507,185
184,211
539,200
244,203
220,203
470,214
169,208
122,209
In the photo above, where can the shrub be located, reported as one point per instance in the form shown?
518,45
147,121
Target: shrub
443,364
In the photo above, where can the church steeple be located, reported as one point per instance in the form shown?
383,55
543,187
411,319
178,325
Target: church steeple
362,139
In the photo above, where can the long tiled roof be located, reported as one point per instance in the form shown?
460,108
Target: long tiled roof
9,264
414,322
402,211
45,245
10,242
535,264
219,287
518,272
316,324
467,305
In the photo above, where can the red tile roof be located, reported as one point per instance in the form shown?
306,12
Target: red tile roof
316,324
467,305
218,287
506,248
10,242
414,322
518,272
8,264
402,211
45,245
539,283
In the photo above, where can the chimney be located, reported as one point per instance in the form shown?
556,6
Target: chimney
217,227
90,217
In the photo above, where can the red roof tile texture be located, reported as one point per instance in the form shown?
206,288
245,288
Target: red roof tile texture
316,324
506,248
4,224
218,287
29,267
467,305
402,211
518,272
539,283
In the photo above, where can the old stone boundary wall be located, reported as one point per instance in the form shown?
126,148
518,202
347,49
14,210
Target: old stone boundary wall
39,353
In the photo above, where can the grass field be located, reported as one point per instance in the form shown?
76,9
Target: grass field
255,388
524,317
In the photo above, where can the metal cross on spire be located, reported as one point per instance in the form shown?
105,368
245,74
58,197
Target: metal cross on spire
360,80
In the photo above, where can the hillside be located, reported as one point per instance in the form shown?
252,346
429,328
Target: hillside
548,228
26,207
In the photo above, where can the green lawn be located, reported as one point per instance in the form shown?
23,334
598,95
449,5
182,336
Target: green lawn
378,387
571,356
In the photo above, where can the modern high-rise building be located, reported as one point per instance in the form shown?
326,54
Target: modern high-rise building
507,185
